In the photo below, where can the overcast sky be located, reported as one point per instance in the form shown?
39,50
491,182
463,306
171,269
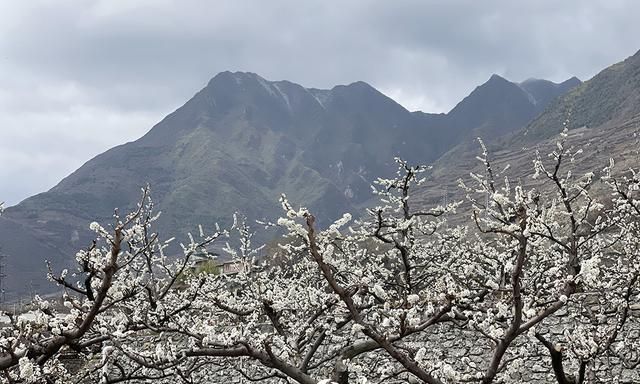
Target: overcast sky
78,77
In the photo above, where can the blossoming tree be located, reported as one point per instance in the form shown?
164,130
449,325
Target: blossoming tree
396,295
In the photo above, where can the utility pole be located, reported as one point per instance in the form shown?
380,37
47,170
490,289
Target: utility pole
636,134
445,197
3,276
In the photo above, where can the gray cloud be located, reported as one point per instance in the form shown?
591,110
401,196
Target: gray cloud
77,77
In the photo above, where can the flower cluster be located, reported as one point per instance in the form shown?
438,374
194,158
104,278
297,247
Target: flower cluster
541,268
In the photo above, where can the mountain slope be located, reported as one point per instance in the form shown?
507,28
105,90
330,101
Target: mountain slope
494,108
611,97
543,92
604,122
236,146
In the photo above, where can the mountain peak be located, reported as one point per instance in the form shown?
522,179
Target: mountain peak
571,82
495,84
495,78
500,106
542,92
356,86
609,98
360,84
238,77
496,87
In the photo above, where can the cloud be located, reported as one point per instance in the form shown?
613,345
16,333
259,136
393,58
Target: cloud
38,149
88,75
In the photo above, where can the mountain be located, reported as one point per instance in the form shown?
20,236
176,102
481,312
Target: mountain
542,92
603,117
498,107
494,108
236,146
609,98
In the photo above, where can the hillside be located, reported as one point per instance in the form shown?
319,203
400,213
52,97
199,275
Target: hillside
236,146
603,117
610,98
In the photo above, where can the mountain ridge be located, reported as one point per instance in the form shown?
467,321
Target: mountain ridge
239,143
609,96
586,110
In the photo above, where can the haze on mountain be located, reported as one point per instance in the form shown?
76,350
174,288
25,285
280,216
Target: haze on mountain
240,143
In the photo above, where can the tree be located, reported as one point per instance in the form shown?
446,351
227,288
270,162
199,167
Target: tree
396,295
